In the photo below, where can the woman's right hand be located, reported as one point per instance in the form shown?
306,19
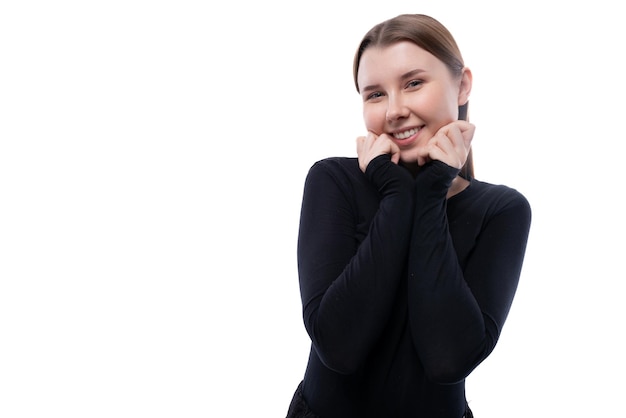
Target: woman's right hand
371,146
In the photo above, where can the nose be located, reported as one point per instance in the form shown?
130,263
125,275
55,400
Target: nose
396,108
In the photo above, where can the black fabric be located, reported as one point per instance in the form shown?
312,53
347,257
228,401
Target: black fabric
298,407
404,291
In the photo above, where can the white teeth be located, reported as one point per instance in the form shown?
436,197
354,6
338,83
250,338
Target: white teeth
405,134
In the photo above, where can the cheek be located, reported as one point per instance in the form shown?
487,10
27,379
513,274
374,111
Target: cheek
374,119
453,105
437,103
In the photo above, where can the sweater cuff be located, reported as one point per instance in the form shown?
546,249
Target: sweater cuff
387,176
436,175
375,164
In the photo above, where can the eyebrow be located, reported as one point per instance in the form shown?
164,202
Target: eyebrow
404,76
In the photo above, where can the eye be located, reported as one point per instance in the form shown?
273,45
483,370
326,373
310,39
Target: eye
373,96
414,83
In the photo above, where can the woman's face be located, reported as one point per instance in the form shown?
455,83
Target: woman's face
408,94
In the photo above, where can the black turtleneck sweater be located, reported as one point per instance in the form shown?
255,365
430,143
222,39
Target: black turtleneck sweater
404,291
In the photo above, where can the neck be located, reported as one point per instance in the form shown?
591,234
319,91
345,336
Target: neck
458,185
413,167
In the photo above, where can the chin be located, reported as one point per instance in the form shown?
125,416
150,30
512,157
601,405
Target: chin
408,159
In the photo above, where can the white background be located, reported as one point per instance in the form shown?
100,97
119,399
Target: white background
152,159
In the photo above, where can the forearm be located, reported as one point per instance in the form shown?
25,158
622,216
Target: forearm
458,307
446,321
348,287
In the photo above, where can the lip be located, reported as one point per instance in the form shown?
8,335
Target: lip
405,142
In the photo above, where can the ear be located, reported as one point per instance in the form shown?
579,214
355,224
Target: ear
465,86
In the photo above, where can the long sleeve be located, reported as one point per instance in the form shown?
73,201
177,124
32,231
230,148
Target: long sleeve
457,309
348,282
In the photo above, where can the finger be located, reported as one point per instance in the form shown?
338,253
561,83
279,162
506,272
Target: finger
368,140
383,144
466,130
360,141
443,141
449,148
452,139
423,154
468,134
360,151
395,152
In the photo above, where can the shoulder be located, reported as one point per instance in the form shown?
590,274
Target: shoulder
336,164
498,192
341,169
498,197
340,178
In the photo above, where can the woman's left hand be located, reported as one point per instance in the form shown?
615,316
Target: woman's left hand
451,145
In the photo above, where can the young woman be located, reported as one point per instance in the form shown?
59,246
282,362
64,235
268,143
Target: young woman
408,265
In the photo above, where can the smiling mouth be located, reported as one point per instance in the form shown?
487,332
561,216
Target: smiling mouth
406,134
